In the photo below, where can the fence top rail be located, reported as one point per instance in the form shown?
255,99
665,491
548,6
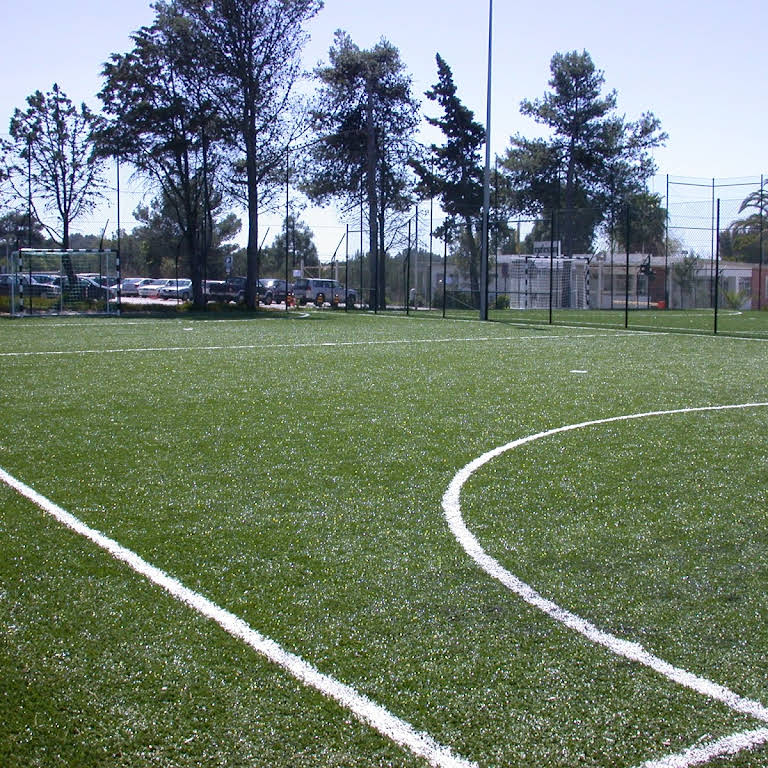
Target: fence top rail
66,250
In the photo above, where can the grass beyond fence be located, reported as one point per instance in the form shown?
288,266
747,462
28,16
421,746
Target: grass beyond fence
292,468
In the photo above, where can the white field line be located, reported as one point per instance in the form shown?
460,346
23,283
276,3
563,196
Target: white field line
302,345
631,331
729,745
629,650
377,717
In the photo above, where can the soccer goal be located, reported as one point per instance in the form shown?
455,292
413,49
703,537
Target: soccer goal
538,282
47,281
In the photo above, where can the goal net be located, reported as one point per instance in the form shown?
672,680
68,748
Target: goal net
532,282
46,281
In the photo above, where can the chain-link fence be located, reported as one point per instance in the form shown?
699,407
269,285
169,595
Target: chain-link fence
700,246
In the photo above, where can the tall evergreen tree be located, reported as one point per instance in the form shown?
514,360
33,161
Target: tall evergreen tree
453,172
364,118
301,249
592,158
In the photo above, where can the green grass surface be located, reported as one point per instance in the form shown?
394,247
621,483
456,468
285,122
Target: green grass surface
291,469
729,322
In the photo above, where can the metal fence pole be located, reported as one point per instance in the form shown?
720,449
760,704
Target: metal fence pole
760,265
717,263
445,271
626,281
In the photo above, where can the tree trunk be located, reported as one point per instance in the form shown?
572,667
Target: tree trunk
66,259
252,248
375,298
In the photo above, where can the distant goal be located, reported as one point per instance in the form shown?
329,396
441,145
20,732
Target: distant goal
50,281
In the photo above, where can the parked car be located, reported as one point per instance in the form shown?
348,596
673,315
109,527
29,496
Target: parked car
130,286
232,289
320,290
177,289
212,288
83,288
275,289
9,284
109,284
40,286
151,290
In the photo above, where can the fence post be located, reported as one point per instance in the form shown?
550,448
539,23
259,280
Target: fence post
717,263
551,260
626,280
445,270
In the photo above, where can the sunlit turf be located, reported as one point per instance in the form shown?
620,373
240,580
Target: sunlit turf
728,321
292,468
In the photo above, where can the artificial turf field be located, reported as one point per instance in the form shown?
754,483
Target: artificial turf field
293,470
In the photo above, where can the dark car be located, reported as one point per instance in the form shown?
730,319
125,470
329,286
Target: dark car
275,289
11,283
232,289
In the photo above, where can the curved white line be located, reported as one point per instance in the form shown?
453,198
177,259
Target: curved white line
394,728
629,650
729,745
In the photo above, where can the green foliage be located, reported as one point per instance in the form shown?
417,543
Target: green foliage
52,145
647,225
745,239
364,118
301,250
593,160
14,226
453,172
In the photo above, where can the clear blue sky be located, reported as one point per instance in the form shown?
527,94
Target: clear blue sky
700,67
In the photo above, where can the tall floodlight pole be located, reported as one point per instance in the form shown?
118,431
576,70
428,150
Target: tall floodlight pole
486,179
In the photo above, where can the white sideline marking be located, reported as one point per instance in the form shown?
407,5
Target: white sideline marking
632,651
305,345
729,745
374,715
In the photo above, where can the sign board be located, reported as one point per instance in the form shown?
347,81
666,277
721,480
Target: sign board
228,263
545,247
297,273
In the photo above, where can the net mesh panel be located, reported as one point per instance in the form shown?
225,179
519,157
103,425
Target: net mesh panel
526,282
63,282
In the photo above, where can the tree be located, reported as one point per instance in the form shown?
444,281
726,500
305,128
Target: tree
301,249
647,225
52,151
253,51
14,228
364,118
454,172
156,246
685,273
162,121
592,158
744,239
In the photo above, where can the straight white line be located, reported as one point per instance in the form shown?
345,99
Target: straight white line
300,345
631,651
374,715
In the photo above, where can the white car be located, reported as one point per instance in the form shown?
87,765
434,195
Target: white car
177,289
152,290
130,286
